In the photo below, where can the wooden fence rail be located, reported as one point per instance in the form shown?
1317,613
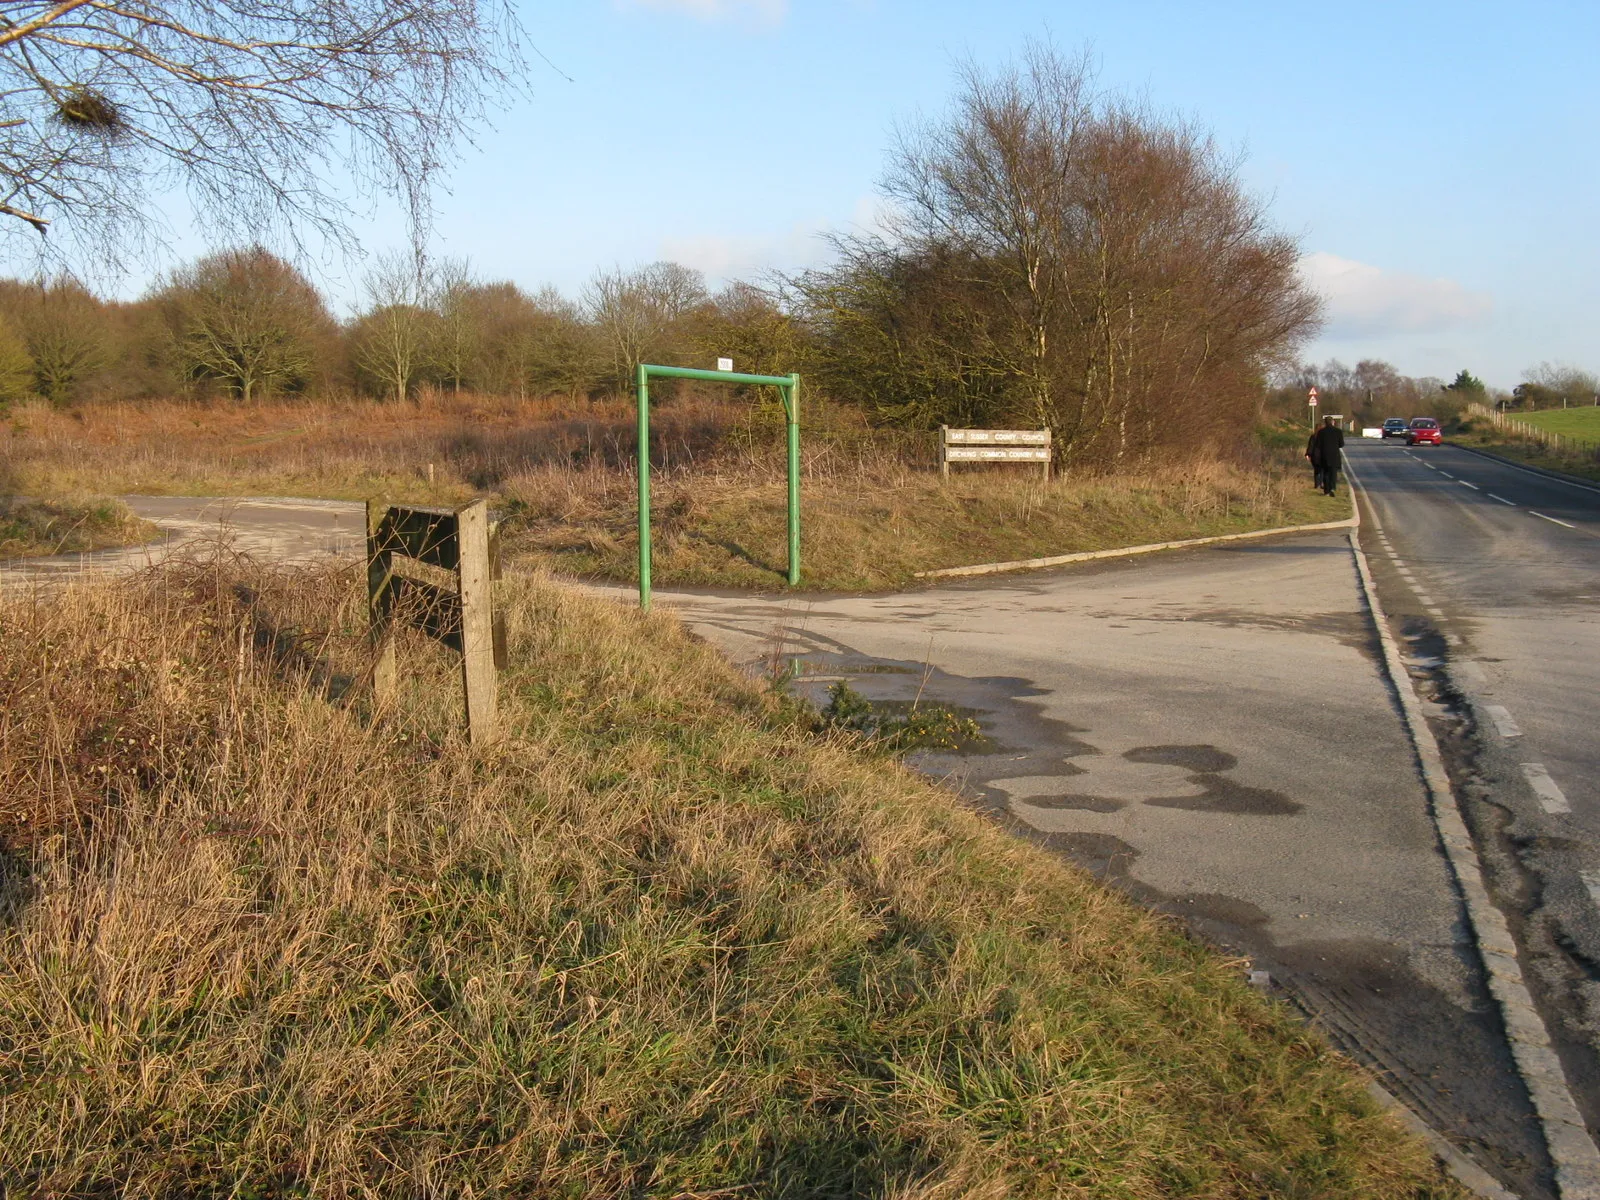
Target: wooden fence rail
1529,432
446,561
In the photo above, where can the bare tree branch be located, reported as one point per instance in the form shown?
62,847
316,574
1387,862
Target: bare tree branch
251,106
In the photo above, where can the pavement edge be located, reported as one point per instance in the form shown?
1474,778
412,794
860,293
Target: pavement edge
1029,564
1566,1136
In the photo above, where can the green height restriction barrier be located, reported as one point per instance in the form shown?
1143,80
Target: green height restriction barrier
788,387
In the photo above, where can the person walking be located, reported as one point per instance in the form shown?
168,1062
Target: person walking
1326,450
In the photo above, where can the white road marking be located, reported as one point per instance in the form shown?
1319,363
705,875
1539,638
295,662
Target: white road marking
1422,595
1473,486
1472,670
1552,520
1434,610
1550,796
1446,474
1504,725
1545,475
1502,499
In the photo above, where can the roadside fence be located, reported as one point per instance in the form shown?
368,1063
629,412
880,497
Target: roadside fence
1560,443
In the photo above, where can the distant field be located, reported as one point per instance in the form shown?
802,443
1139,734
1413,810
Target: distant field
1580,423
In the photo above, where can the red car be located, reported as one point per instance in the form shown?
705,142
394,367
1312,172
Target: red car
1423,431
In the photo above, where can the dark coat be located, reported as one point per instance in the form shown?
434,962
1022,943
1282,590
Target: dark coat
1324,446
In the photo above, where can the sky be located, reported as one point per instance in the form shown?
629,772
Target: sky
1437,159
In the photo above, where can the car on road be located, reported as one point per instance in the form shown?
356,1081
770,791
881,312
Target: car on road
1394,427
1423,431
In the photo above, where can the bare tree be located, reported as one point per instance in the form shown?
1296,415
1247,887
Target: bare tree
393,340
66,331
1070,259
458,330
245,318
246,103
638,312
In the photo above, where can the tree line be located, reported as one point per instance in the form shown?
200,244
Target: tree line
1373,390
247,324
1056,256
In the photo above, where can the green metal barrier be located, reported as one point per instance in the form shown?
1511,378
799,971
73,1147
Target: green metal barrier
788,387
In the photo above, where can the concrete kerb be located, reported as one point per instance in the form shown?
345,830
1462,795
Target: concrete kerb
1577,1161
1466,1172
1057,560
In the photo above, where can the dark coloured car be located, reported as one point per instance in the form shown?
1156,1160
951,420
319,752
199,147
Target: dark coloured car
1423,431
1394,427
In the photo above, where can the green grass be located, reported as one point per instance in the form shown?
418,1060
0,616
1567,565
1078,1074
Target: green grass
30,528
665,940
1580,424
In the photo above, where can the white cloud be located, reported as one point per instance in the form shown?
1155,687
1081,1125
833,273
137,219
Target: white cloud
724,256
1367,301
755,12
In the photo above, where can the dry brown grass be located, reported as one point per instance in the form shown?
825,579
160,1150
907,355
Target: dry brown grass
874,524
875,511
68,525
663,941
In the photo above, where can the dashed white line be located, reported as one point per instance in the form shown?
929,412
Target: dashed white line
1503,723
1552,520
1472,671
1473,486
1446,474
1502,499
1551,798
1591,881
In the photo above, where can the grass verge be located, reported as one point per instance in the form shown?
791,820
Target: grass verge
36,527
1580,464
665,940
875,511
876,530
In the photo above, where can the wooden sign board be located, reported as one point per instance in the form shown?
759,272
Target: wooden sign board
993,445
436,566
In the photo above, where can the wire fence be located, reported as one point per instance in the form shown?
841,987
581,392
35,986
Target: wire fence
1564,444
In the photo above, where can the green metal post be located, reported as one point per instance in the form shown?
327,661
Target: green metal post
792,411
643,383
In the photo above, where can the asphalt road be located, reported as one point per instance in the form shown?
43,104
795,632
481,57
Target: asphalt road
1492,574
1209,730
280,529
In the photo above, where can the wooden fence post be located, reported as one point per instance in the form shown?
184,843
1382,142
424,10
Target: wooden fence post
944,452
380,603
477,622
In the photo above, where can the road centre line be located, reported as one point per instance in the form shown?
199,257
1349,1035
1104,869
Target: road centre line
1502,499
1551,797
1473,486
1552,520
1505,725
1446,474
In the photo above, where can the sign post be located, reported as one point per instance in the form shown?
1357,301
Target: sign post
1311,400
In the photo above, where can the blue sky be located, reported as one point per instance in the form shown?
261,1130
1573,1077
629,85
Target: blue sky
1437,159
